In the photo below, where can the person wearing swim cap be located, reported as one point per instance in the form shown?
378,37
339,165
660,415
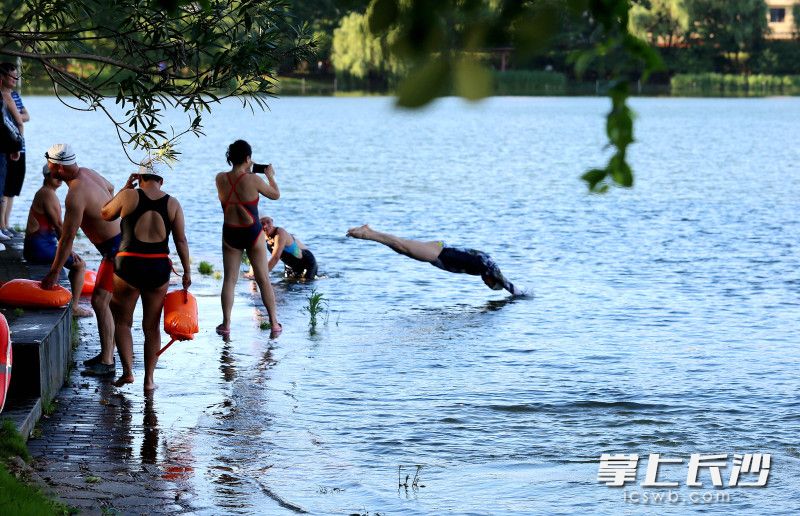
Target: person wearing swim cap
143,266
438,254
298,261
239,190
88,193
41,238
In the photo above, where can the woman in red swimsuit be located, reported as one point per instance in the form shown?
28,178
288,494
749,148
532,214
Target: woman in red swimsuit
239,191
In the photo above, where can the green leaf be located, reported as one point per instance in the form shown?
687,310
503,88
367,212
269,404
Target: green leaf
424,83
594,176
583,60
381,14
472,81
620,171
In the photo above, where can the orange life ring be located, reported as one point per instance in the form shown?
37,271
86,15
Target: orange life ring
27,293
5,360
180,315
89,279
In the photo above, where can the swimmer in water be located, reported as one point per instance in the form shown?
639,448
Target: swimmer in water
298,261
439,254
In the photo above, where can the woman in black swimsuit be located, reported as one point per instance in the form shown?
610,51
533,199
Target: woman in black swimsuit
143,265
239,191
443,256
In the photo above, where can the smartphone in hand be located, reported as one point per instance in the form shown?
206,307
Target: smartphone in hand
259,168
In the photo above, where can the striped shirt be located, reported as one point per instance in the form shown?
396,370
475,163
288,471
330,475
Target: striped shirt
20,107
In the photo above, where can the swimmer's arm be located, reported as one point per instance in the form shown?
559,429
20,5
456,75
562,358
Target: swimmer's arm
113,208
72,221
181,244
277,249
269,190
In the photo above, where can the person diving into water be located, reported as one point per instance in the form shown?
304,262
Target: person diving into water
439,254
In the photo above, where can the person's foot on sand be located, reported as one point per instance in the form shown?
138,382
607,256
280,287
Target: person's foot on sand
359,232
276,330
223,330
123,380
80,311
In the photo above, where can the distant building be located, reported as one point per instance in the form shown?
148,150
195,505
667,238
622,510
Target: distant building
780,19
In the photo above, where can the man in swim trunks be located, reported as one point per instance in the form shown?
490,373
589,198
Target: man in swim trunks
298,261
41,238
88,193
451,259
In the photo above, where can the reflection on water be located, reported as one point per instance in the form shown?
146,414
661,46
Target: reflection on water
662,322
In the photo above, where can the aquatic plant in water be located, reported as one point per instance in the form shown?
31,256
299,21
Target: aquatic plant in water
205,268
316,304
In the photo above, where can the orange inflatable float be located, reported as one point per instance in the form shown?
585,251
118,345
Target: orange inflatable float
25,293
180,316
89,279
5,360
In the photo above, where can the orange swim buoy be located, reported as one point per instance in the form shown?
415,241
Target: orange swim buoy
180,316
25,293
5,360
89,279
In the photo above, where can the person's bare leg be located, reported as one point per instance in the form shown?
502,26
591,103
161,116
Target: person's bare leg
152,305
231,261
101,299
7,204
422,251
258,259
76,279
122,305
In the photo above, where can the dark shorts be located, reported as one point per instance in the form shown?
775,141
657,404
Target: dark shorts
3,169
105,273
143,273
15,175
40,248
305,269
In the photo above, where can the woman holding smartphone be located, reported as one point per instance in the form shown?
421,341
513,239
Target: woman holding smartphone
239,192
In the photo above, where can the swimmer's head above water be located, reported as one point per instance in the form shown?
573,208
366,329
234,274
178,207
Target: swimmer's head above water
268,225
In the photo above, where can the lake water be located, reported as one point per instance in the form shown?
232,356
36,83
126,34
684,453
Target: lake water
663,320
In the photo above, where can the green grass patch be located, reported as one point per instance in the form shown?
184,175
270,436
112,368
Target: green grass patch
205,268
11,443
21,499
16,497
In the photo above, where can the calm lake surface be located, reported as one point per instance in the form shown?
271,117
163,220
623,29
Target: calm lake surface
661,321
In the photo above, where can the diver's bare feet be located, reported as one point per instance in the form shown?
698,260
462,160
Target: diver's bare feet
276,330
122,380
223,330
79,311
360,232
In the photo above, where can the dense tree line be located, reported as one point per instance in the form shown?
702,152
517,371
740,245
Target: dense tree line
692,36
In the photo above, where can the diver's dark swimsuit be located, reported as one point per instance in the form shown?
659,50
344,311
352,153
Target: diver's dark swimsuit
476,263
241,236
144,265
